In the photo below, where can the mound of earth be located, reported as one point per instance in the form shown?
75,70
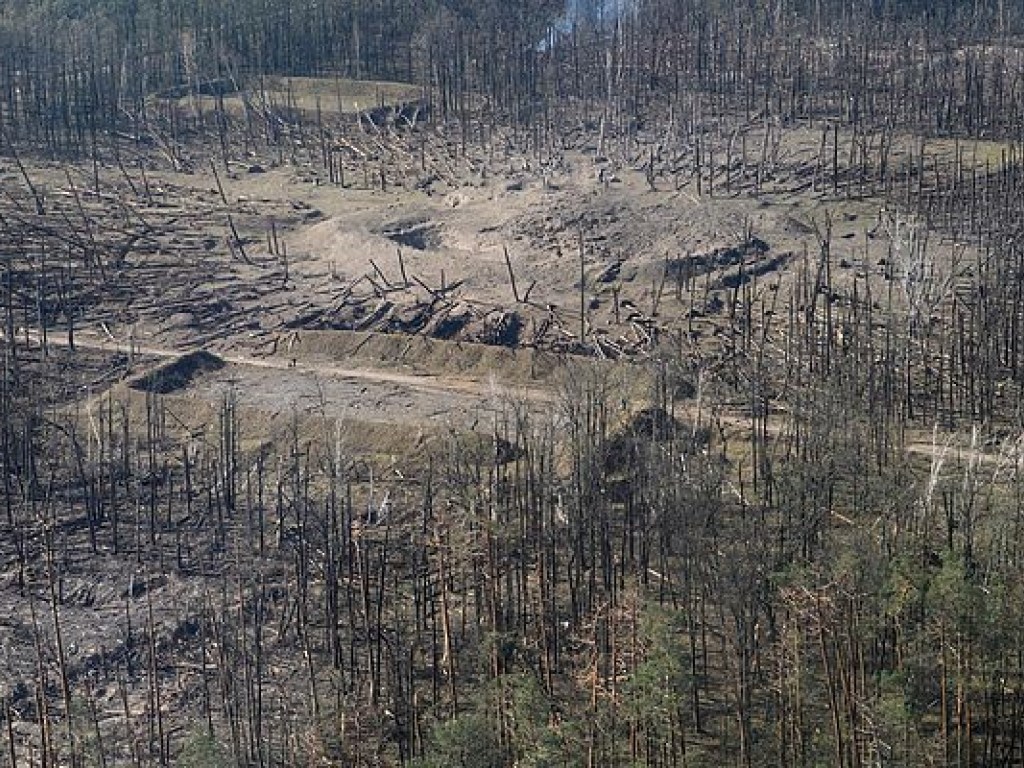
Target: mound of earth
178,374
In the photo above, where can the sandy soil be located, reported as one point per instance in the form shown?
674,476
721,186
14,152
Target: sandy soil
288,277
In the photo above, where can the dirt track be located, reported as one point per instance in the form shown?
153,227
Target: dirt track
275,383
282,383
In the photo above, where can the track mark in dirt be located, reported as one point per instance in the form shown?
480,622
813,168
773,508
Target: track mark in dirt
462,396
943,448
453,387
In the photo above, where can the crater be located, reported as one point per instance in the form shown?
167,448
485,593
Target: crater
418,235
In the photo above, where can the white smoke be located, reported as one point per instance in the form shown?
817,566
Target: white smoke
587,14
598,13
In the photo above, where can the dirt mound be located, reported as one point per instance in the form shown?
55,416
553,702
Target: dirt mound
432,356
449,323
652,426
500,328
699,264
178,374
410,314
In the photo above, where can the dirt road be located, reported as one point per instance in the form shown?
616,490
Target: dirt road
276,382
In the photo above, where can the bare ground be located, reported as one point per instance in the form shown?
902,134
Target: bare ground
362,309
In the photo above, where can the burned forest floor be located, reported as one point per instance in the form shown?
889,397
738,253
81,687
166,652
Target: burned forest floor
332,442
